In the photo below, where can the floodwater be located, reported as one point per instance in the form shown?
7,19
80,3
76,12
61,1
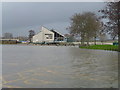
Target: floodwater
25,66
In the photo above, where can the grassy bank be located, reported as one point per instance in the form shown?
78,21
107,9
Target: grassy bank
101,47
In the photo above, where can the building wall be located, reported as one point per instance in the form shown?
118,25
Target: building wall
46,31
37,38
43,36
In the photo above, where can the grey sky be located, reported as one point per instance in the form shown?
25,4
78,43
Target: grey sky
18,18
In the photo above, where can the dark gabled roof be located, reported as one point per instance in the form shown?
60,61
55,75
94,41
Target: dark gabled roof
57,32
54,31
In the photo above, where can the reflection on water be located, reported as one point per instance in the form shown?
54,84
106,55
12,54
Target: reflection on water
58,67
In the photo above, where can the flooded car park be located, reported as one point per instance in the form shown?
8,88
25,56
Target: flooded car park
27,66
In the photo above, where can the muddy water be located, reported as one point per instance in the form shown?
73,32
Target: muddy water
58,67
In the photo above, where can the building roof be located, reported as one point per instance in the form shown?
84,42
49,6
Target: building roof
57,32
51,31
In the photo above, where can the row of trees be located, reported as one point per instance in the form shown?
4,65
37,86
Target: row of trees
7,35
23,38
10,36
89,26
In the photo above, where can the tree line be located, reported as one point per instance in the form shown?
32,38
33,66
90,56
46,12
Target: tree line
88,26
8,35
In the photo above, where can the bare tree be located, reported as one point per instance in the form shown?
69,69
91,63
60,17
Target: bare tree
31,34
8,36
110,12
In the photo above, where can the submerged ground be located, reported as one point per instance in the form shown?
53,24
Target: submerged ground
58,67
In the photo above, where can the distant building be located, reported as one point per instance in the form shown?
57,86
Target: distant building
46,35
17,40
9,41
70,38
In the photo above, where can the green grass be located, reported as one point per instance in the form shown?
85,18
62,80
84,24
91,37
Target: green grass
101,47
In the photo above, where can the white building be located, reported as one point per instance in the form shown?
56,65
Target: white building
46,35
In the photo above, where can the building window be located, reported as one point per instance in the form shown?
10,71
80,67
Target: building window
48,36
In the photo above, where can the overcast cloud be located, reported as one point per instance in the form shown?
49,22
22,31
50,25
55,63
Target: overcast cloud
18,18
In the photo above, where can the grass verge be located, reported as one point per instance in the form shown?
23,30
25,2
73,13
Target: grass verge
101,47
